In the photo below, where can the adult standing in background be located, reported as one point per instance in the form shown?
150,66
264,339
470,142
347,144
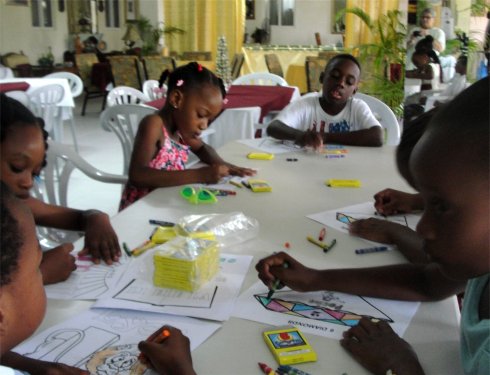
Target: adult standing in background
419,32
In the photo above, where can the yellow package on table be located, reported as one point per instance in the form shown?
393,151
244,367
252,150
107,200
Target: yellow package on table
185,263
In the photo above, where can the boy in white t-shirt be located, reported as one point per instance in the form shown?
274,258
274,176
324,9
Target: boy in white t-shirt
332,117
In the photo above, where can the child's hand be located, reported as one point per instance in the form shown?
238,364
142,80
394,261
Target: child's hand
57,264
376,347
392,202
214,173
296,276
171,356
100,239
242,172
374,229
310,138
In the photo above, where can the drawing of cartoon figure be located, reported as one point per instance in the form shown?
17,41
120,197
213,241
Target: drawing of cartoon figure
117,360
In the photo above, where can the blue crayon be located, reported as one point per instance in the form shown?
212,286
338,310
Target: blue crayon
370,250
285,369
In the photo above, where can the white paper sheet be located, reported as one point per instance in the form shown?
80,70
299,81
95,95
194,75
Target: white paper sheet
271,145
89,280
339,218
213,301
112,334
323,313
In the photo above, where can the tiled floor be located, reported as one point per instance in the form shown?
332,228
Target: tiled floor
101,149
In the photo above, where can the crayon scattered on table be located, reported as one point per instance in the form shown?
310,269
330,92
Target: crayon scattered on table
370,250
234,183
289,370
126,249
161,223
266,369
321,244
142,248
322,234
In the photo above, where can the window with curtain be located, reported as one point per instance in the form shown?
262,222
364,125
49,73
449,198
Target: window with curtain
112,13
284,9
41,13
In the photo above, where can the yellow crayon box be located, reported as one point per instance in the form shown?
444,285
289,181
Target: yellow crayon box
289,346
259,186
336,183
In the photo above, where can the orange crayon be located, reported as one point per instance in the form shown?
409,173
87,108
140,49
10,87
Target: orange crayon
162,336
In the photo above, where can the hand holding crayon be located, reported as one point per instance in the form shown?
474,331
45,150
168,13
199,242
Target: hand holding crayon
296,276
167,351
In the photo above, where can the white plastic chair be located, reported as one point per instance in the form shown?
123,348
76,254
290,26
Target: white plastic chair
123,121
20,96
6,72
76,87
125,95
52,187
385,116
262,79
152,91
44,103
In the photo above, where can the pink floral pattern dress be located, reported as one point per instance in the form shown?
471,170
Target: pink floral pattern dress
171,157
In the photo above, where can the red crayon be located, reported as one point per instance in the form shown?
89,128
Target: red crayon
266,369
321,236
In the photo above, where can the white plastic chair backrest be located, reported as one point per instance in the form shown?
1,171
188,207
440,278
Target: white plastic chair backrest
6,72
125,95
123,120
20,96
61,160
262,79
74,82
152,91
44,101
52,187
385,116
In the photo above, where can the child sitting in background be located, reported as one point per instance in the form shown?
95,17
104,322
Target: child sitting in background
162,143
455,227
391,202
429,71
23,149
457,83
23,301
335,116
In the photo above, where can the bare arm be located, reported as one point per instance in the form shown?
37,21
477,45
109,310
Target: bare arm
407,240
366,137
372,137
280,130
425,73
408,282
100,238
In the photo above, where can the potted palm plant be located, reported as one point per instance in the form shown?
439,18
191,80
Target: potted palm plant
150,35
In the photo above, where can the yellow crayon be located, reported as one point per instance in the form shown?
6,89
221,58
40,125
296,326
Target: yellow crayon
142,248
235,184
321,244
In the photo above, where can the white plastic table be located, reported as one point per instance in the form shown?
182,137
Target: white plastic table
298,189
